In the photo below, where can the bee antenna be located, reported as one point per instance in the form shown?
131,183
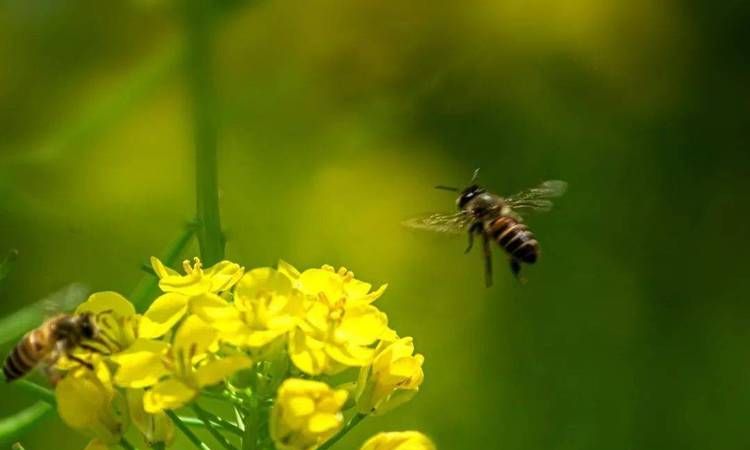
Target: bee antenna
474,176
447,188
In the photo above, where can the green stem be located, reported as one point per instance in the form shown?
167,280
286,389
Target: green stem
224,424
205,417
186,431
23,421
356,419
148,284
40,392
253,424
198,20
126,445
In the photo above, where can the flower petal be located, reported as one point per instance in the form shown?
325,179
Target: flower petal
321,423
79,401
220,369
307,353
154,427
194,337
162,315
107,301
400,440
224,275
215,310
160,269
362,325
141,364
168,394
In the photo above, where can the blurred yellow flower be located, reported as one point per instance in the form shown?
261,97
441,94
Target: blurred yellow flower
265,307
306,414
399,440
171,307
393,378
339,324
175,373
87,401
155,428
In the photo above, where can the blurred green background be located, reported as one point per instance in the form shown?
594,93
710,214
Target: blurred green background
336,118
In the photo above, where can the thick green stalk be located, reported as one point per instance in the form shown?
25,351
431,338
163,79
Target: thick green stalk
357,418
205,417
186,431
198,28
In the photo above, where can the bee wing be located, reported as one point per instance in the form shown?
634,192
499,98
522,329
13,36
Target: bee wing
441,222
537,198
21,321
65,299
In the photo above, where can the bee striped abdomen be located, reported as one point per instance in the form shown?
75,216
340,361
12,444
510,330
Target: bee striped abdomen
514,238
26,355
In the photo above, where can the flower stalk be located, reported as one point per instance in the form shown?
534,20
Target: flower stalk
205,417
198,19
187,431
353,422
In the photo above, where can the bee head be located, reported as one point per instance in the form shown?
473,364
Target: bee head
468,195
88,328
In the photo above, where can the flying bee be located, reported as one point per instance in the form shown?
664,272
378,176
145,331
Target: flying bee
495,218
56,337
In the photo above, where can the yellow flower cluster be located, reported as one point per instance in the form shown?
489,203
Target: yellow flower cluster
210,324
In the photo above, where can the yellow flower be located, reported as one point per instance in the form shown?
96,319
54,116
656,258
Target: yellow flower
306,414
155,428
87,401
196,281
393,378
399,440
171,307
175,373
340,324
265,308
336,284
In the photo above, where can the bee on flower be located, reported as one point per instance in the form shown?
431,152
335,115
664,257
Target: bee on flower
263,341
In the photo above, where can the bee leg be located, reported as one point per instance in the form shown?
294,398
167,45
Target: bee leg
487,260
48,367
93,349
515,267
53,375
85,364
472,229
